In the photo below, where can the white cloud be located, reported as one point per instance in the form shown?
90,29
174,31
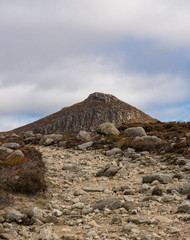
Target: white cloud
52,52
165,21
75,79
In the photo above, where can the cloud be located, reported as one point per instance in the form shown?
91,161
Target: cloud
74,79
164,21
55,53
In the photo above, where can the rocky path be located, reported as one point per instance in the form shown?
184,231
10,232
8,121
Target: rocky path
93,196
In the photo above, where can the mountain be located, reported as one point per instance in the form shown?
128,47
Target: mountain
87,115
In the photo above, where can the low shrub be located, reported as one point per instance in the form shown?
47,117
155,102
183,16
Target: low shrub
24,175
11,162
112,138
124,143
5,198
144,145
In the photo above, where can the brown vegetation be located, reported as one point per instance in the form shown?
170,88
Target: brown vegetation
23,175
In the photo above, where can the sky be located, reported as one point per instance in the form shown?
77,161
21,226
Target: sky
55,53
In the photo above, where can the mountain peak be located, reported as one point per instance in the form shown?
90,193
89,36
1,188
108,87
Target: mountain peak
87,115
102,97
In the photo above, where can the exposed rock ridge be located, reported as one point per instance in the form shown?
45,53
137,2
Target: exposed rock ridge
107,98
87,115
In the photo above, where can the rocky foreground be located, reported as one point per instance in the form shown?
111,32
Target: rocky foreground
97,195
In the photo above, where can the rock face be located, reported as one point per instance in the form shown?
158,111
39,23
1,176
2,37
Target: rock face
87,115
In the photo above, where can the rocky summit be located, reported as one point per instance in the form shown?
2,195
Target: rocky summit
87,115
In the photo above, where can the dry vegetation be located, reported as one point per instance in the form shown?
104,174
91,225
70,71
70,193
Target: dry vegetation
22,174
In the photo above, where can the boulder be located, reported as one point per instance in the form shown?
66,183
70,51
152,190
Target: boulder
55,137
134,132
108,129
184,208
185,189
11,145
28,134
158,190
45,232
162,178
15,216
7,150
84,146
113,152
14,135
110,203
108,171
36,214
84,135
48,142
16,153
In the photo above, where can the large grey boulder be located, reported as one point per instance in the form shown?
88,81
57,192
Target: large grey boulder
11,145
114,151
84,146
28,134
36,214
185,189
184,208
55,138
48,142
134,132
84,135
7,150
110,203
108,129
16,153
15,216
109,171
162,178
45,232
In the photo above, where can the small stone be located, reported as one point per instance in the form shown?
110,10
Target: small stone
155,183
7,225
57,213
128,228
158,190
78,205
129,206
184,208
116,219
144,188
167,198
91,234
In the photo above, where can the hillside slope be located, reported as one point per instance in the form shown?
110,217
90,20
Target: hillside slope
87,115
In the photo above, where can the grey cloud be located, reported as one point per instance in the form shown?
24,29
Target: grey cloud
52,52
